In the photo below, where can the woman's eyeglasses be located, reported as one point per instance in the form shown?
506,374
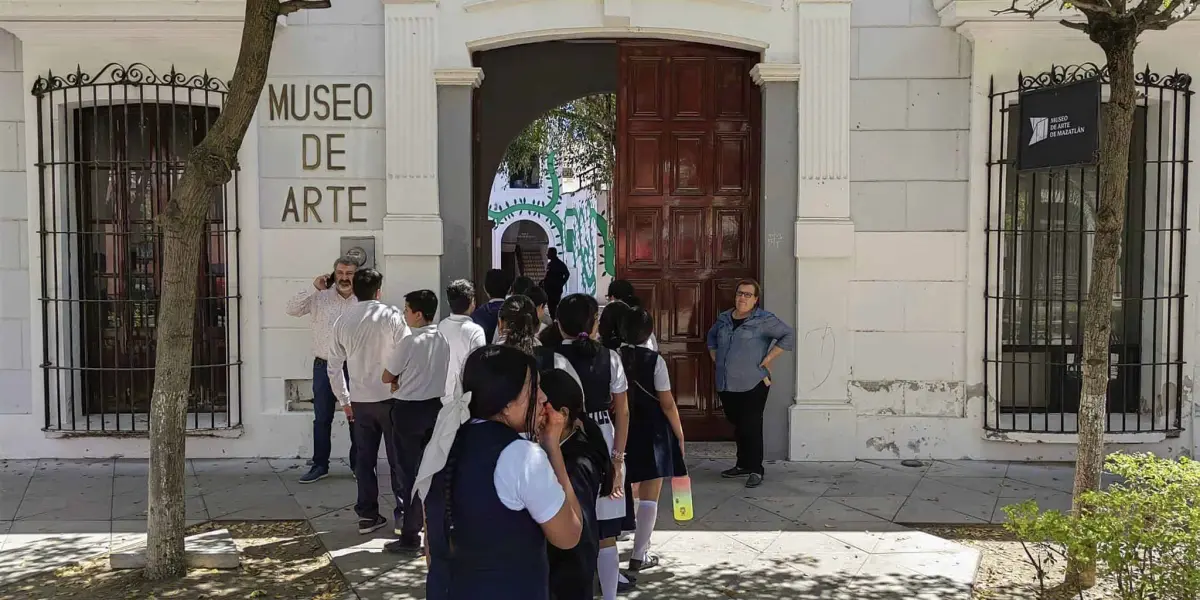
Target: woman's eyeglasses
741,294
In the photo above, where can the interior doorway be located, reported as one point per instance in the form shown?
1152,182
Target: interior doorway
685,185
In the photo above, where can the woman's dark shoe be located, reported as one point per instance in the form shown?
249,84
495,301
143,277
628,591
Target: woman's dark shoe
636,566
754,481
403,546
734,473
626,581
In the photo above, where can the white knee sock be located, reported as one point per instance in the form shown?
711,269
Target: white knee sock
647,513
608,568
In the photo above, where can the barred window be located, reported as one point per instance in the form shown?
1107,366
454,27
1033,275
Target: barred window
111,148
1041,226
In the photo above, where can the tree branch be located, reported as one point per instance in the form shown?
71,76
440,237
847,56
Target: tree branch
1166,17
1075,25
290,6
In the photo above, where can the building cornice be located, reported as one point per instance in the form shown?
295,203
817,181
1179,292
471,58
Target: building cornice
774,72
472,76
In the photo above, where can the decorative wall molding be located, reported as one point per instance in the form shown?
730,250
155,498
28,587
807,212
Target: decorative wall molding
472,76
824,36
775,72
410,54
824,238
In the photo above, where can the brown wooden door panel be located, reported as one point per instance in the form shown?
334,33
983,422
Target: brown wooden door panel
687,190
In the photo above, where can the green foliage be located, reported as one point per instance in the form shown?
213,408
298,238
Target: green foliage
582,134
1144,531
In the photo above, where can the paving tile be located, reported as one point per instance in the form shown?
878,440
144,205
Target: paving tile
403,581
704,542
967,468
18,467
1046,500
969,502
882,483
790,507
12,490
1054,476
826,512
924,511
956,567
70,466
324,496
895,465
883,507
82,500
986,485
132,507
805,543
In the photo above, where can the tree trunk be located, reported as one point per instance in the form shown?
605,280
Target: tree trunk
209,164
1097,313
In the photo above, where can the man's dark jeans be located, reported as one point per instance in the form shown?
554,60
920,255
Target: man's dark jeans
325,406
373,423
413,423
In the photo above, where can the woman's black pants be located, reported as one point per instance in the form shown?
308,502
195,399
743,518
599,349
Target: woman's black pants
745,411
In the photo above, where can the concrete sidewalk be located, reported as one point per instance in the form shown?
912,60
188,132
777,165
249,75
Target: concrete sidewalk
814,530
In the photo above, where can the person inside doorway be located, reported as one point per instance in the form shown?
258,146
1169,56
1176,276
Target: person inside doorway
364,338
416,372
460,331
743,343
497,284
573,571
622,290
498,498
655,449
330,295
605,398
555,281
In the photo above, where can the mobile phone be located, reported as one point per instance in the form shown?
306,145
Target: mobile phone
330,280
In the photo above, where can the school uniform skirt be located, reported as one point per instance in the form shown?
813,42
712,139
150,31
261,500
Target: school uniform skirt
652,450
611,513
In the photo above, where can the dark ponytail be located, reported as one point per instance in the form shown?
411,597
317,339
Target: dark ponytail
636,327
577,317
495,376
520,323
610,324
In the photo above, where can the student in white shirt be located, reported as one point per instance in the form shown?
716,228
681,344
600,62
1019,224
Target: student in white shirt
416,372
458,328
364,336
497,498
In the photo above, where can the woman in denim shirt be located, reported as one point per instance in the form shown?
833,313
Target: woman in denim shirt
743,343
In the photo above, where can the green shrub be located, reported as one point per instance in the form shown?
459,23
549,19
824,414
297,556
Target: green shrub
1143,531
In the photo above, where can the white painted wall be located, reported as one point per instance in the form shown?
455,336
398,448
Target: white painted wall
16,357
915,298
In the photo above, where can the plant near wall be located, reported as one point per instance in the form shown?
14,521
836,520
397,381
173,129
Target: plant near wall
210,164
1144,530
1114,26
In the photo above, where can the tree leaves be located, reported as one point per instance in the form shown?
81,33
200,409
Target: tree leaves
581,134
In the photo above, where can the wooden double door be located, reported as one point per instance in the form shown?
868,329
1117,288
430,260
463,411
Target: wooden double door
686,190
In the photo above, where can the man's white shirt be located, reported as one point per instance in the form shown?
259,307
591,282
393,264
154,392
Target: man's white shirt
420,363
465,336
365,335
325,306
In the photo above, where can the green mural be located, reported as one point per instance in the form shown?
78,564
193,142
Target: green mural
575,231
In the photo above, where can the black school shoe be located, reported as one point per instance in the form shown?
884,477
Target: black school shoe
754,481
404,546
636,566
366,526
734,473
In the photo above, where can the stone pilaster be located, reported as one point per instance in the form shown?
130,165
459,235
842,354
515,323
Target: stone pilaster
412,228
780,149
823,421
455,88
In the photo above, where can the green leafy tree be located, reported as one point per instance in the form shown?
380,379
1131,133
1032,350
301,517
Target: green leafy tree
1114,26
582,134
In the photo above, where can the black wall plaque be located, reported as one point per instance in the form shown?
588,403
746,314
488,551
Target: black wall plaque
1060,126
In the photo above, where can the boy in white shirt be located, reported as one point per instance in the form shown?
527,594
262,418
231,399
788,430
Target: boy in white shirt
417,372
458,329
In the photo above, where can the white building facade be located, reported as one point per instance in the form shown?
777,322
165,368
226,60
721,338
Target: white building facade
886,218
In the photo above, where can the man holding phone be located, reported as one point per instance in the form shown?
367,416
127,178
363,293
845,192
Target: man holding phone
330,295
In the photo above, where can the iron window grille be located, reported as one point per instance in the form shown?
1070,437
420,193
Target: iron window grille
1040,228
111,147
